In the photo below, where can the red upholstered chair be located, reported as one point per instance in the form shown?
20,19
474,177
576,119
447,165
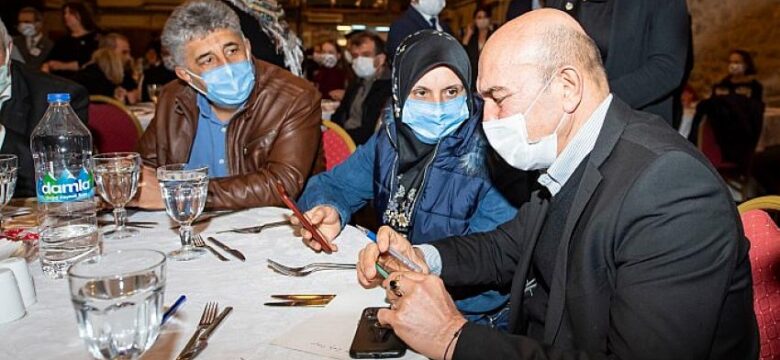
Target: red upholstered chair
113,126
764,237
336,144
730,171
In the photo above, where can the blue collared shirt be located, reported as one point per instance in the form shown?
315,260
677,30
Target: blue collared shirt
208,147
556,175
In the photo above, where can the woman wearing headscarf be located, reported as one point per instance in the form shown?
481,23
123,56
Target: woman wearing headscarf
424,172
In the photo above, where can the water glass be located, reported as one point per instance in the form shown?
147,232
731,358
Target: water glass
9,164
116,176
184,193
118,298
154,91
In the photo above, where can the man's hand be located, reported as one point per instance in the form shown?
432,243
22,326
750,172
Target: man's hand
373,253
326,219
149,196
423,314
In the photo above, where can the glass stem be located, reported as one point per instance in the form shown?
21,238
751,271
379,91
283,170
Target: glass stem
120,216
185,232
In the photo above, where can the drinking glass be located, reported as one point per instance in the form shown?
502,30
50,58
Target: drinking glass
184,194
118,298
8,166
116,176
154,91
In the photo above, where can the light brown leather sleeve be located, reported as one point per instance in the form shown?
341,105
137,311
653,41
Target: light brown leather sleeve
290,160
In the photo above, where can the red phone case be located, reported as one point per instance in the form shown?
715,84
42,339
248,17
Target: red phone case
298,214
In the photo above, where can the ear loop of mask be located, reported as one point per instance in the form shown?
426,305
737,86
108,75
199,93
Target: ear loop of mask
533,103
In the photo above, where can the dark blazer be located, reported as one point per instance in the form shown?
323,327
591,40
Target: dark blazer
410,22
648,52
517,8
22,112
375,101
652,264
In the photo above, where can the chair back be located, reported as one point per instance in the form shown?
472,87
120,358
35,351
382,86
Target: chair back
708,145
113,126
336,144
764,237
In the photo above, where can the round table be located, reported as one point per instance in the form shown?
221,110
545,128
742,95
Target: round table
49,329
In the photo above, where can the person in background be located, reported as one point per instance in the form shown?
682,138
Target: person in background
476,35
155,73
632,248
108,73
74,50
330,77
741,78
272,40
309,65
644,46
33,43
252,123
421,15
22,105
425,171
520,7
359,111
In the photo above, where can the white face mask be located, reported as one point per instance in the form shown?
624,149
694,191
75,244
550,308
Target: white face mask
5,72
27,29
430,8
737,69
509,137
326,60
364,67
482,23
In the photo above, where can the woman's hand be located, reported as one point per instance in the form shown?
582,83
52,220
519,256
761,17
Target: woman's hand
326,219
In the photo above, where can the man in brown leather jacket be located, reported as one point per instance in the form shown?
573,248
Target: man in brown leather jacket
250,122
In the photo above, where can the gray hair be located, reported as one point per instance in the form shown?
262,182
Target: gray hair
196,19
563,46
5,39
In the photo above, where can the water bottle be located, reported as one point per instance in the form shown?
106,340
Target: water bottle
62,152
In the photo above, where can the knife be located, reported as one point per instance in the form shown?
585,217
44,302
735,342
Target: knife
304,297
203,338
228,249
300,303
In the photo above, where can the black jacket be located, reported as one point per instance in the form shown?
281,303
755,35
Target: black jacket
375,101
22,112
652,263
410,22
648,52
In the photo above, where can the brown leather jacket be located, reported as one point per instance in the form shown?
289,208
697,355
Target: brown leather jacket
275,137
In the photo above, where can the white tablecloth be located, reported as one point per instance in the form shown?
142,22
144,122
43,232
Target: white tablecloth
49,330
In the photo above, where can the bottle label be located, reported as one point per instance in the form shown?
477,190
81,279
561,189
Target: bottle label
66,188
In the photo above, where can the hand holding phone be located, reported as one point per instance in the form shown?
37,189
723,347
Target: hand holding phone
326,247
373,340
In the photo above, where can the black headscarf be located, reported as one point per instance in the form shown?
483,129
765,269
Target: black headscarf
418,54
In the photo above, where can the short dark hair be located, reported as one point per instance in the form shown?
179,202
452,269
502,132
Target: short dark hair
362,37
487,10
85,15
31,10
750,66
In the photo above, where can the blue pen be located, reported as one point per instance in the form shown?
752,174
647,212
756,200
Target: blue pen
172,310
403,259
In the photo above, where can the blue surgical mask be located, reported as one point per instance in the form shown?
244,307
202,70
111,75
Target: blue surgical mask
432,121
228,85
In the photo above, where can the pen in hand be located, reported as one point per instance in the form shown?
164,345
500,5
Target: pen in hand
400,257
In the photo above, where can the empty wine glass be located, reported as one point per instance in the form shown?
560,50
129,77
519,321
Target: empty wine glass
184,194
8,167
154,91
116,176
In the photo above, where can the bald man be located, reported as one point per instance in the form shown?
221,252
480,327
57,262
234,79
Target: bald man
632,249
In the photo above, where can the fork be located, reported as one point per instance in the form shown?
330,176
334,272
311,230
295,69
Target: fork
206,319
198,240
256,229
307,269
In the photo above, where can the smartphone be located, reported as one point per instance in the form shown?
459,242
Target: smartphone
373,340
304,222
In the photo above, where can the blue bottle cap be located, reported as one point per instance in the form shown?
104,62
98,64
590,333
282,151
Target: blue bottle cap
58,97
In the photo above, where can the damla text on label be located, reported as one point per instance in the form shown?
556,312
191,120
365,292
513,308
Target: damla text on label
66,188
